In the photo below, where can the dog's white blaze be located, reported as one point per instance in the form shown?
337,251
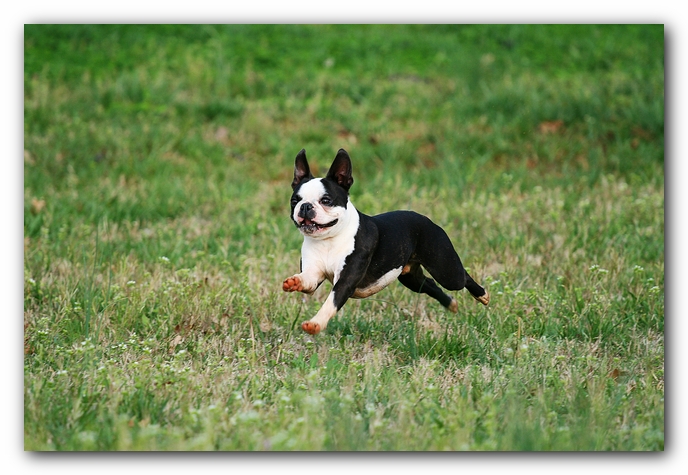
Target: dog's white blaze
311,192
378,285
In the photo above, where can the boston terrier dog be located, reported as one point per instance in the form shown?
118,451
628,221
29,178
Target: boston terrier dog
361,255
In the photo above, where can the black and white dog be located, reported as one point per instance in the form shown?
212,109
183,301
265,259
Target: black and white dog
359,254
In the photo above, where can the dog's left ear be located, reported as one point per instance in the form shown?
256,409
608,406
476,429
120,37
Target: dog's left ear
340,170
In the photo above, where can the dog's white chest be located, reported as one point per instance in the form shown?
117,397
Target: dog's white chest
329,255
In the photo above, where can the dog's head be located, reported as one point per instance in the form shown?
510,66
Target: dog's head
318,205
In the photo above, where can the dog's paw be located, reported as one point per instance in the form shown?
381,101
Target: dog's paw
310,327
292,284
453,306
483,299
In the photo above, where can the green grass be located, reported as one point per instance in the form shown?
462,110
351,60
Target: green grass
157,167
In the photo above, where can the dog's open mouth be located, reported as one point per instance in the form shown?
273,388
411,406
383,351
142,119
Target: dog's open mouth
308,226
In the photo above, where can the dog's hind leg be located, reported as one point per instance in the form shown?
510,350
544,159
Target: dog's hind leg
444,265
460,280
414,279
476,291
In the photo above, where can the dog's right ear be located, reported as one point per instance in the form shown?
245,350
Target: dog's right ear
302,171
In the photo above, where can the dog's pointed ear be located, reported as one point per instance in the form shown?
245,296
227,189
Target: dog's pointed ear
340,170
302,171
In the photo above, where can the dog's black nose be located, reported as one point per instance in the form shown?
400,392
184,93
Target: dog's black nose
307,211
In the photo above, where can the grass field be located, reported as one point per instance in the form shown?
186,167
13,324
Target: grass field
157,166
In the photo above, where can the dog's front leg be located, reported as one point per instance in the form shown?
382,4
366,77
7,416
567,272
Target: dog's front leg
319,322
343,288
306,281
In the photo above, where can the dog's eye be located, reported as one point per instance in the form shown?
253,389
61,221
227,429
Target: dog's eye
326,201
294,201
